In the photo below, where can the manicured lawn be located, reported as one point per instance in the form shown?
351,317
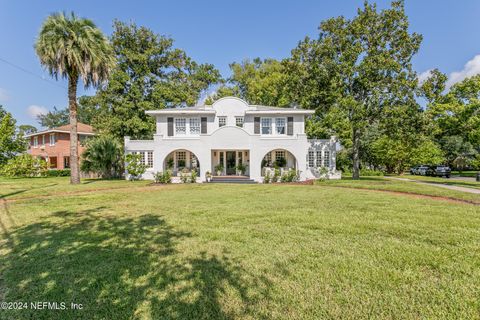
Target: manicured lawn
449,181
237,251
386,184
465,173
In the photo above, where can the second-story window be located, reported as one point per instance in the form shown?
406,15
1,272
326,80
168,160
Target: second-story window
194,126
266,125
35,142
280,125
239,121
180,126
222,121
52,139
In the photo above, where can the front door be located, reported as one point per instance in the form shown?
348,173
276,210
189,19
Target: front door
230,161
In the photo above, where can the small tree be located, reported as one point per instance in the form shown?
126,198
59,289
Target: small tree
103,155
135,167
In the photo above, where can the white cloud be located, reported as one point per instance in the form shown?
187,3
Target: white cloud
470,69
422,77
34,110
3,95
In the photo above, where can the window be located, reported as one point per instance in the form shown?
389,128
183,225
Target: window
319,159
239,122
35,142
280,125
266,125
149,159
181,157
222,121
279,155
326,159
180,126
194,126
66,162
43,140
52,139
311,159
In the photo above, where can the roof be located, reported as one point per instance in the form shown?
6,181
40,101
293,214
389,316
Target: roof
250,109
82,128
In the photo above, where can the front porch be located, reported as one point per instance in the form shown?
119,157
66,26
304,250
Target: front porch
230,163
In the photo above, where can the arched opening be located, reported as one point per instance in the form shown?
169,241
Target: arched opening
181,161
280,159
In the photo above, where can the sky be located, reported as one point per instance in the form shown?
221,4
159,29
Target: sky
221,32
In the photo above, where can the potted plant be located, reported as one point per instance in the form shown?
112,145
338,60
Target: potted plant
219,169
241,168
208,176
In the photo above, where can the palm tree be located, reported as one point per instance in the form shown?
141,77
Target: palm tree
73,48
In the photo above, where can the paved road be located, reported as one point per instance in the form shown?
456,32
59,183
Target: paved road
440,185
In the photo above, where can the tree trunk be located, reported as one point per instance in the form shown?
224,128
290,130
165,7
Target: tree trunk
72,103
356,154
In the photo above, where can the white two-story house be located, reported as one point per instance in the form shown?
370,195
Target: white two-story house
231,137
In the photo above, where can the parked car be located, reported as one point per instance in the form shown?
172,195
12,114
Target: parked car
422,170
438,171
413,170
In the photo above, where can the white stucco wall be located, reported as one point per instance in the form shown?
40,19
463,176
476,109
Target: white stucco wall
231,137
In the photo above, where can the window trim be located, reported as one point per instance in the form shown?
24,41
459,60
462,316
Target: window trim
284,126
224,118
197,122
176,126
241,122
52,135
262,119
35,142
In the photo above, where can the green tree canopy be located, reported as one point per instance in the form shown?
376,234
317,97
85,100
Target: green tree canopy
74,48
11,142
150,74
357,68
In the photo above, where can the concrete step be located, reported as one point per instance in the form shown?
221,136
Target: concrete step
232,179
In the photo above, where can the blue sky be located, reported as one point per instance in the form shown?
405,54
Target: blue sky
221,32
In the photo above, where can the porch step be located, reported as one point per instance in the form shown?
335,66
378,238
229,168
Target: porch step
232,179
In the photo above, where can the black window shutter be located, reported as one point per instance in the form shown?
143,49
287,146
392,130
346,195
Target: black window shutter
290,126
256,125
203,123
170,127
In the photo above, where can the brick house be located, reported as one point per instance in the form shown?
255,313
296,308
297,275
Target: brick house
53,145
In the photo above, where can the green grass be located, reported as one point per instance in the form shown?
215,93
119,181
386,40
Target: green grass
441,180
237,251
465,173
381,183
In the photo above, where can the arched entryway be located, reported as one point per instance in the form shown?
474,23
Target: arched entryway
280,159
181,160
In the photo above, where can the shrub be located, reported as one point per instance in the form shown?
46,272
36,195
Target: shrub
365,173
276,175
193,176
103,155
135,168
267,178
163,177
58,173
25,165
289,176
